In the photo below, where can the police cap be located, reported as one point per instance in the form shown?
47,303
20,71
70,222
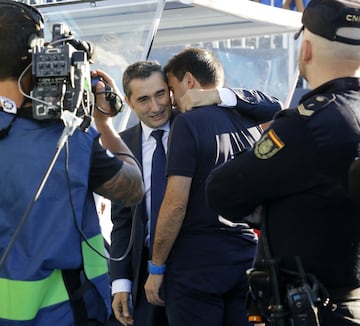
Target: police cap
325,17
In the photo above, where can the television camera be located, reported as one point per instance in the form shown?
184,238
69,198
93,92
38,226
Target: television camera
62,78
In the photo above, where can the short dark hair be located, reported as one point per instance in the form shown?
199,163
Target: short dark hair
201,63
140,70
18,23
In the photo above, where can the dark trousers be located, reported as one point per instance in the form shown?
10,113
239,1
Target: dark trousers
213,296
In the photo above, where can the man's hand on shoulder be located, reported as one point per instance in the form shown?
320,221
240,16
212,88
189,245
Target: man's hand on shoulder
198,97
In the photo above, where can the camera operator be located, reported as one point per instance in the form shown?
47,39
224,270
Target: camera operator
52,264
298,173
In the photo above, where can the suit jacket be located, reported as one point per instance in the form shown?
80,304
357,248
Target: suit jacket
126,219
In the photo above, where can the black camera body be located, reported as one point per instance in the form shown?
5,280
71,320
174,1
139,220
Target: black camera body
61,75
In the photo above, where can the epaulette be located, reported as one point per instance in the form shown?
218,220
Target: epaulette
315,104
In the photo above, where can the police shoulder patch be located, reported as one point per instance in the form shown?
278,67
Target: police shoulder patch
268,145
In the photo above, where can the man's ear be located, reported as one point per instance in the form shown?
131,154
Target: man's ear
306,53
189,80
27,82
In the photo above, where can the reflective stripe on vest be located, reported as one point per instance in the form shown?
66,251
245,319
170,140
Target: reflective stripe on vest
21,300
94,264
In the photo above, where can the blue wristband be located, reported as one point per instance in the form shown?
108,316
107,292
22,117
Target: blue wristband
156,269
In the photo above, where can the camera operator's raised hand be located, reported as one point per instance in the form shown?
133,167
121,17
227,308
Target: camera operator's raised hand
112,94
110,139
103,84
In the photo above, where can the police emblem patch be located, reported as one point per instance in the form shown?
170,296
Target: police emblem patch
268,145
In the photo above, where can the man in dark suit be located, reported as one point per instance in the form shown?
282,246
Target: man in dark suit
147,94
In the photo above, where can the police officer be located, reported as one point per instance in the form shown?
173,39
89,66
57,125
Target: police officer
354,181
298,171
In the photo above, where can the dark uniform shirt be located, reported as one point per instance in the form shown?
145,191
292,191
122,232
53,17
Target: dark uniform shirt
354,181
298,172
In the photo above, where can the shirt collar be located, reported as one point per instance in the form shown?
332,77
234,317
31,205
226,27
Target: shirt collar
334,86
147,130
